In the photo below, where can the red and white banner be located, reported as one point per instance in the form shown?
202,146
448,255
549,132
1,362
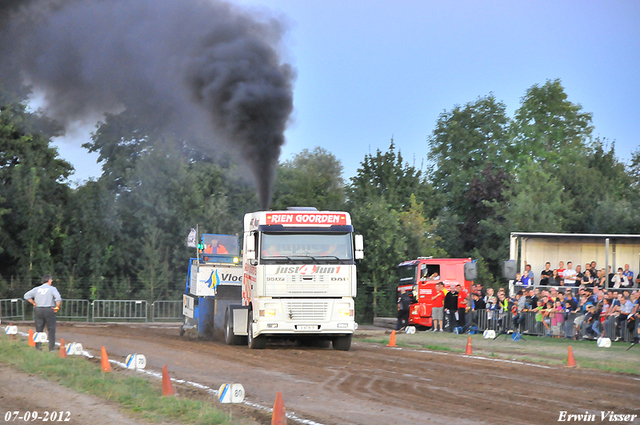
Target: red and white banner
307,219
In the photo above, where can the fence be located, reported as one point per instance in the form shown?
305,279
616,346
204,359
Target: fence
12,309
115,310
99,310
166,311
554,324
74,310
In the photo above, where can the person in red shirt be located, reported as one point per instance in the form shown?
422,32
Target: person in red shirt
437,309
463,303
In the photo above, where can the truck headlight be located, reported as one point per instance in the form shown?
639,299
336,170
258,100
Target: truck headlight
345,312
270,312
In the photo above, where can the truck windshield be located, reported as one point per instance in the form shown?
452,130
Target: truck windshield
407,275
306,247
220,244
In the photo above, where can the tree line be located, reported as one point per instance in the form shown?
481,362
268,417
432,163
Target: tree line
121,236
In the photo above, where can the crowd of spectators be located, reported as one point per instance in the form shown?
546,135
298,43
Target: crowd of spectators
583,304
569,276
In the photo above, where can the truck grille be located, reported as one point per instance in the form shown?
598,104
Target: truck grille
307,310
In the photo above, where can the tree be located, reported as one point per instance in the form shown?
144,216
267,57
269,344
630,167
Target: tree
548,128
312,179
387,199
463,142
34,192
387,175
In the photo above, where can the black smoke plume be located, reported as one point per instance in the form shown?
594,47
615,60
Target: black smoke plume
202,68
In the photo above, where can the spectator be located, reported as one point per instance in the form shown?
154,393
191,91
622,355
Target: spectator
570,303
404,304
492,311
503,309
477,307
547,313
610,277
557,319
546,274
527,278
481,290
629,275
463,306
569,275
437,311
600,279
561,270
553,294
518,280
619,280
587,279
591,321
554,279
594,269
625,310
518,319
582,311
489,294
539,324
451,307
579,275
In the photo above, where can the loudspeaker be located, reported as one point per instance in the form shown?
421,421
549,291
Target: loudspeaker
470,271
509,269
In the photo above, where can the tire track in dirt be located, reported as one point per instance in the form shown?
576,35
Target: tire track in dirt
374,384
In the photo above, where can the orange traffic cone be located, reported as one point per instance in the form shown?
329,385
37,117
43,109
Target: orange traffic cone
63,351
571,362
278,417
392,340
104,361
468,351
31,342
167,388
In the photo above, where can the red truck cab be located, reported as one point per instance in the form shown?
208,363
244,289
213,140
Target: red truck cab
419,278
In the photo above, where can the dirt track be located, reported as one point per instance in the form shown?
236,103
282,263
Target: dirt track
373,384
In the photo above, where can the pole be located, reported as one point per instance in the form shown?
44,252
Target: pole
606,262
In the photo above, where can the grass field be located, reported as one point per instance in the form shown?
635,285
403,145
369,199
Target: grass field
541,350
139,396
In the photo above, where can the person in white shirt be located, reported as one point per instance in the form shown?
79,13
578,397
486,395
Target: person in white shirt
569,275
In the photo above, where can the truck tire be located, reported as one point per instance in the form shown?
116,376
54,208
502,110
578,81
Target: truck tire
342,343
258,342
229,337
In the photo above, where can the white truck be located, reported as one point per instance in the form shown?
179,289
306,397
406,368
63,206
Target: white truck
299,278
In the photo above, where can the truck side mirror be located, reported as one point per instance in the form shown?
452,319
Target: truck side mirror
359,243
250,248
509,269
470,271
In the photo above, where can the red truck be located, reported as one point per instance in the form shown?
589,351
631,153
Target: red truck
419,278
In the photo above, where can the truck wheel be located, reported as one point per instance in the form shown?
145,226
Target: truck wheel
229,337
258,342
342,343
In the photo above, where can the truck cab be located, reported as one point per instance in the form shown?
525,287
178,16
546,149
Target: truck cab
299,277
419,277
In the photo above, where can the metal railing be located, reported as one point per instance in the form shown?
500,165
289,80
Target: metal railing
74,310
114,310
12,309
554,324
166,311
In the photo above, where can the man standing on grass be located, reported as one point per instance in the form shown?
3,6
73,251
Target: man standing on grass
46,301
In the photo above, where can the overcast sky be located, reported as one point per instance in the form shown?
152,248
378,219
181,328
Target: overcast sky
369,70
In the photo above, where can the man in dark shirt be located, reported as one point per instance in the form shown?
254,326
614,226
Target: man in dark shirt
404,304
451,307
546,274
